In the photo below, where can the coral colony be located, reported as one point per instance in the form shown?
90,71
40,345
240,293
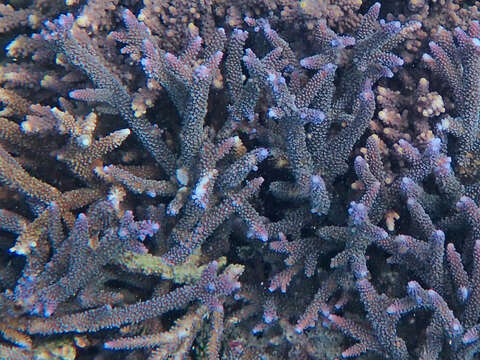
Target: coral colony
212,179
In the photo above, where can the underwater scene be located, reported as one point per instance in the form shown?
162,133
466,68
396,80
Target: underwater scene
239,179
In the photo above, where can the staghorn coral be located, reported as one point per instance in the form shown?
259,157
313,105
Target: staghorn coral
197,180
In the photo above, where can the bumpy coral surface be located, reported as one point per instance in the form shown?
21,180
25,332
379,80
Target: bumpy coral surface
211,179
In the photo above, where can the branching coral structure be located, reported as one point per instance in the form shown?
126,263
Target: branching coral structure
239,180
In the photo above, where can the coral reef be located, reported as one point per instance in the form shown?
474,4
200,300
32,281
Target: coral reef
216,179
